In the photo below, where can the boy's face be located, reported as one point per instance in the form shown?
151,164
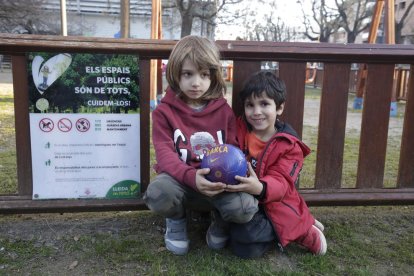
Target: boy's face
261,114
193,83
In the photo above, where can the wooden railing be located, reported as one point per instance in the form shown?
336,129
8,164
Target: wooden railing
247,58
314,78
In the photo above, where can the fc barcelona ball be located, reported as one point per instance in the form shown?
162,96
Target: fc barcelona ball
225,162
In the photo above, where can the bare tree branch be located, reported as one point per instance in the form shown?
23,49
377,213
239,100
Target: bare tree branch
354,15
207,11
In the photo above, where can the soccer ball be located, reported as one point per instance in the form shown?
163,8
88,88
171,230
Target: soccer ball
225,162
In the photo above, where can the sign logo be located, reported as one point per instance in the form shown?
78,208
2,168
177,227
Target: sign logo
46,125
64,125
83,125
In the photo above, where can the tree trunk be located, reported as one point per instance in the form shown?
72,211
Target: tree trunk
186,24
398,33
351,37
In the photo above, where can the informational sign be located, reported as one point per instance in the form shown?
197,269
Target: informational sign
84,125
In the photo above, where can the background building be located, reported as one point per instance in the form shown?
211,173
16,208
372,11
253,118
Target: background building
407,31
101,18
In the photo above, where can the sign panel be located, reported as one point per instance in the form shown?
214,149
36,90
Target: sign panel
84,125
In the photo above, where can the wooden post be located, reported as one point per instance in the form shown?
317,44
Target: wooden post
125,29
155,64
63,24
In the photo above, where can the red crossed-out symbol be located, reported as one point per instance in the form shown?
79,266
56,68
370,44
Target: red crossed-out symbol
46,125
83,125
64,125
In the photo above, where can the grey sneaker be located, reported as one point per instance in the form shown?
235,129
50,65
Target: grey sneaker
176,239
218,232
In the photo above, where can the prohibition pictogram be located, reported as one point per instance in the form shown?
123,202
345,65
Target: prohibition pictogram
64,125
46,125
83,125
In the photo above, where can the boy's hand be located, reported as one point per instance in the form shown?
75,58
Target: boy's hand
206,187
250,184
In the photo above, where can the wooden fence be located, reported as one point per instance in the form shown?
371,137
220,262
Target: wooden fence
401,77
247,58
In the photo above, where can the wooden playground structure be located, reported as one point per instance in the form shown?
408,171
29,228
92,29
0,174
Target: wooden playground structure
383,11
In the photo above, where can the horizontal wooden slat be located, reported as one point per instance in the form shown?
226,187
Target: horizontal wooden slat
378,53
344,197
355,197
238,50
62,206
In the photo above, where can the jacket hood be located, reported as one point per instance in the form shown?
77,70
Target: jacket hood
173,100
284,131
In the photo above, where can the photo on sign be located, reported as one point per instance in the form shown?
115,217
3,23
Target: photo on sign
83,83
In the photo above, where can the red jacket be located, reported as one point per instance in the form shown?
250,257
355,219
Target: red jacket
180,134
278,167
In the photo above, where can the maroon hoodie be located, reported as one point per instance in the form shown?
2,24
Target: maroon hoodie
180,134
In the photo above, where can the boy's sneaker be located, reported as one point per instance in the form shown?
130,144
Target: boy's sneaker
319,225
314,240
218,232
176,239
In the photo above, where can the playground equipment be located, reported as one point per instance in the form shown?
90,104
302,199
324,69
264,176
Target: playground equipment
156,65
310,74
389,31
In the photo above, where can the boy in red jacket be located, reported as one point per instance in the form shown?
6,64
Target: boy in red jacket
275,155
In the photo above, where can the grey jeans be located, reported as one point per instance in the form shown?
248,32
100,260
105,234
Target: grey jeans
167,197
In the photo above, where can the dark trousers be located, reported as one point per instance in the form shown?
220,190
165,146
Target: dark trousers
254,238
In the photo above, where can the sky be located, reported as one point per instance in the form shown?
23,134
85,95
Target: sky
288,10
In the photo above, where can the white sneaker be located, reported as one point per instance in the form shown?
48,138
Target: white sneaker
319,225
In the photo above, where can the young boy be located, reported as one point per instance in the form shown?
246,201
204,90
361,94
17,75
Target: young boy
276,157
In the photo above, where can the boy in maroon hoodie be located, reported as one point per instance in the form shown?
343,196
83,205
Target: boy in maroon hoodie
276,155
191,118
